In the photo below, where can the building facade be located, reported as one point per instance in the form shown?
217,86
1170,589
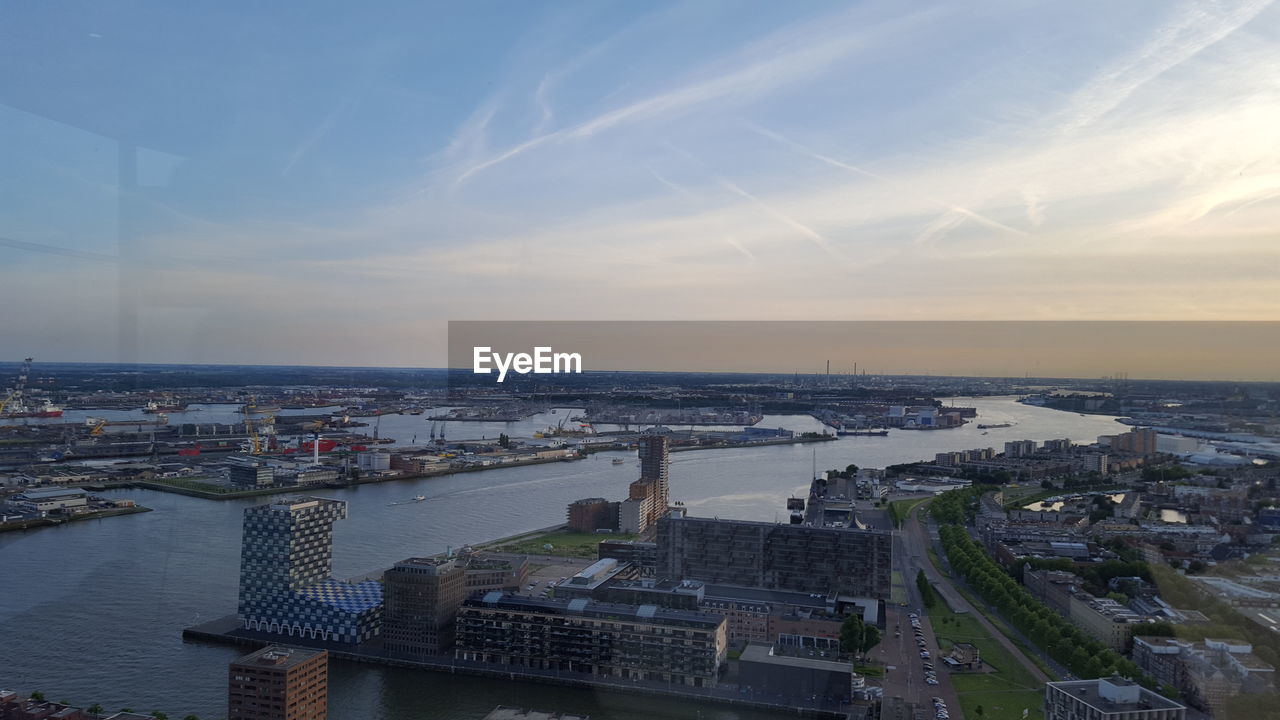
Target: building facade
286,583
801,558
642,642
279,683
421,597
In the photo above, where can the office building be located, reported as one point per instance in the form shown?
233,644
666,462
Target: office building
1112,698
836,561
642,642
421,597
245,473
286,583
279,683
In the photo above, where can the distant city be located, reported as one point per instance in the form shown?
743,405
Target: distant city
1124,575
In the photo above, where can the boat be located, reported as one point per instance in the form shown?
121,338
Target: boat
618,461
419,498
992,426
47,410
153,407
865,433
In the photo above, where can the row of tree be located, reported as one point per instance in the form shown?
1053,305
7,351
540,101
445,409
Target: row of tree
858,637
1084,656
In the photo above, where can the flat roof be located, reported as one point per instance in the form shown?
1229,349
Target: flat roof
758,652
279,656
1087,692
591,608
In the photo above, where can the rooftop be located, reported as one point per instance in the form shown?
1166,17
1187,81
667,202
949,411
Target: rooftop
279,656
1105,695
762,653
590,608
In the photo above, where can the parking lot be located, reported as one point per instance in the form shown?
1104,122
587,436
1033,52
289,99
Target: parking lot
915,671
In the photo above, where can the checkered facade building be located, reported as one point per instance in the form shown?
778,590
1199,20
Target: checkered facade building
286,575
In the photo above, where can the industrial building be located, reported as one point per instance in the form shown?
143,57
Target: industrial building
286,583
643,642
279,683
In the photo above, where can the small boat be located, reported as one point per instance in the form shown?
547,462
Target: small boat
419,498
618,461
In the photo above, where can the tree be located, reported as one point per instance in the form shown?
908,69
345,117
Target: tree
503,440
870,638
978,711
159,715
95,709
37,696
851,631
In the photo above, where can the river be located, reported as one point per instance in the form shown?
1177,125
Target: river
93,611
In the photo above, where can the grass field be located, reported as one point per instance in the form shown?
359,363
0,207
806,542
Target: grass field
898,594
564,543
1004,693
900,509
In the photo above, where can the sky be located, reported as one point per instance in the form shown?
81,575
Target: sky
330,183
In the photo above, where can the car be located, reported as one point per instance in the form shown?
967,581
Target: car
924,654
931,681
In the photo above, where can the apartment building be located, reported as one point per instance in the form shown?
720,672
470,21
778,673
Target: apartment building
643,642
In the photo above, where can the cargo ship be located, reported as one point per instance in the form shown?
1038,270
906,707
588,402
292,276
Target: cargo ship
47,410
154,407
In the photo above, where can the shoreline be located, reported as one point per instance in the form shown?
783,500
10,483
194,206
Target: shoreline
36,523
227,630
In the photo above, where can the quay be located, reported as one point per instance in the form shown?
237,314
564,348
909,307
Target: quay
229,630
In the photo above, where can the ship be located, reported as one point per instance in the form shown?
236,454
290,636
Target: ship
47,410
866,433
618,461
994,426
153,407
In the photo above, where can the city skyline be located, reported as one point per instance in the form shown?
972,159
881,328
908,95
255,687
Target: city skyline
623,162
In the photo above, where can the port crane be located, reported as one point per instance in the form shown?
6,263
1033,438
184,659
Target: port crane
255,442
15,398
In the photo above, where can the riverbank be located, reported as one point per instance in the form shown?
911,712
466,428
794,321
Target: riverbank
33,523
229,631
192,487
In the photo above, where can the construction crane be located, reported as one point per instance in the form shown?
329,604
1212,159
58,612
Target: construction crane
255,442
98,425
15,397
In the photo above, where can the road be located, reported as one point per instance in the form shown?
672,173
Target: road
906,679
916,541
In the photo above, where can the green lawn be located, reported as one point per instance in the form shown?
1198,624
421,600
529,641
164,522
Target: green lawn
1004,693
564,543
899,510
898,594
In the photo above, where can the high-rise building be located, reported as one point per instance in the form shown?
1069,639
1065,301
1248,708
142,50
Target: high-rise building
1111,698
286,582
279,683
652,492
421,597
830,560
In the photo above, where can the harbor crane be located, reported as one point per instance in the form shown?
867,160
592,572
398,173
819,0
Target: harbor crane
15,398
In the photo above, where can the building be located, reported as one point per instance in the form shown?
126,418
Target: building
250,473
421,597
641,555
1139,441
641,642
279,683
1208,673
1020,448
1112,698
286,583
591,514
634,513
837,561
60,500
794,671
655,466
495,571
